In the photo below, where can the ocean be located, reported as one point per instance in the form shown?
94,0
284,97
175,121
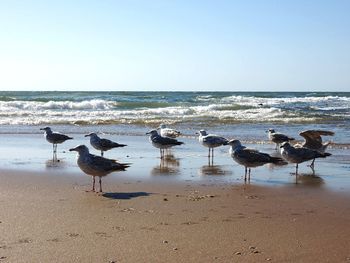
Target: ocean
243,114
125,117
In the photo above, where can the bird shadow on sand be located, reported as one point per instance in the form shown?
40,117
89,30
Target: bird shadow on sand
125,196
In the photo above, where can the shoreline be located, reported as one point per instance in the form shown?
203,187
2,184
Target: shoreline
50,217
185,163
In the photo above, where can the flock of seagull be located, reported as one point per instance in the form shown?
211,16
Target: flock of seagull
164,138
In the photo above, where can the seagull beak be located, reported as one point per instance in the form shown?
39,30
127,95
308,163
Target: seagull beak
42,129
73,149
86,135
147,133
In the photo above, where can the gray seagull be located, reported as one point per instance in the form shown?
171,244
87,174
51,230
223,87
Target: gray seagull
96,165
211,141
54,138
300,154
250,158
161,142
102,144
313,141
278,138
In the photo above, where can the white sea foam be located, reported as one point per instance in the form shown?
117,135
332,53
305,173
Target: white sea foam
222,110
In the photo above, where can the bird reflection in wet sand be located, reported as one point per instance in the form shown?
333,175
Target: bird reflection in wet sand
169,165
310,180
213,170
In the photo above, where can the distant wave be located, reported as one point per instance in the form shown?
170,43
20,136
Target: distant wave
144,108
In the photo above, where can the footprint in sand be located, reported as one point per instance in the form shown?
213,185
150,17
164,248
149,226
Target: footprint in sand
25,241
190,223
53,240
73,234
149,228
102,234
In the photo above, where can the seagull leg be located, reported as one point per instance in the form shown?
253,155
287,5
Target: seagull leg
249,170
245,173
209,153
312,165
101,153
93,183
53,152
296,169
100,182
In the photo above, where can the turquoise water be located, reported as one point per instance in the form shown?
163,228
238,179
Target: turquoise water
152,108
242,115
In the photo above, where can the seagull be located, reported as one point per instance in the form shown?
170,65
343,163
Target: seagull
278,138
102,144
211,141
250,158
300,154
96,165
168,132
313,139
54,138
161,142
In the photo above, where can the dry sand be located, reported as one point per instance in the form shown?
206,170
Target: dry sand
50,218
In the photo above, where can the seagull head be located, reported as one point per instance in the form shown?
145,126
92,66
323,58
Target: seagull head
152,132
80,149
91,134
45,129
271,130
202,133
285,145
235,143
162,126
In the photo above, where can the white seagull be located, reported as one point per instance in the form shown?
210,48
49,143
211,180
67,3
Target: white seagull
211,141
96,165
161,142
250,158
102,144
168,132
300,154
278,138
54,138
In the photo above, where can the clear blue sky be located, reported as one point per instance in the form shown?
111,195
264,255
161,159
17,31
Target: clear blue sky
298,45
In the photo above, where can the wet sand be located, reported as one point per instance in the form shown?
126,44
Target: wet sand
48,217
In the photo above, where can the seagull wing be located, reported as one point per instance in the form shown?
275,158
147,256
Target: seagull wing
313,138
104,164
213,139
60,137
170,132
165,140
281,137
253,156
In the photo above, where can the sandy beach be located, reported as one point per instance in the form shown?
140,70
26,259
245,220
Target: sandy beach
50,218
178,210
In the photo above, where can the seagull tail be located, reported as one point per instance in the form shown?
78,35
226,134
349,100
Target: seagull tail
121,166
117,145
323,155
